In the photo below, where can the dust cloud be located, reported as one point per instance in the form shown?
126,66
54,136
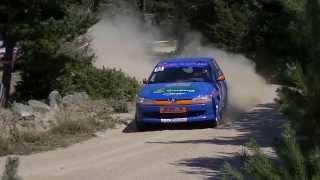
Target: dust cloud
120,42
246,88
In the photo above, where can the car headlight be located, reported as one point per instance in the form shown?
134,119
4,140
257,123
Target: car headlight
202,99
144,101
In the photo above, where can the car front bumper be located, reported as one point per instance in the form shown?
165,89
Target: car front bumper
196,113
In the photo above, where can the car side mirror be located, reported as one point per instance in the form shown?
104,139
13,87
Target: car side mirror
145,81
221,78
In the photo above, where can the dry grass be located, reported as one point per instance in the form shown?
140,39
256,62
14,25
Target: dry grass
71,125
119,106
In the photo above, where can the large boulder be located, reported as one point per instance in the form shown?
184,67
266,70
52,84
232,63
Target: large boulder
54,99
23,111
38,106
75,99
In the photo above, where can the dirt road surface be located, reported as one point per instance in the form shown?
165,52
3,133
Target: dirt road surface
122,153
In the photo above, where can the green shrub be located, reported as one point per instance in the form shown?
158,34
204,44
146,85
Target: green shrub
11,169
301,103
73,73
231,174
294,165
99,83
39,74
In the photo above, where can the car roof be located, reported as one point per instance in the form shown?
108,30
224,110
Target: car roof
187,59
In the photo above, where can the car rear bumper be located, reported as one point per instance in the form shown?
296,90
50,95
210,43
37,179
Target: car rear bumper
150,114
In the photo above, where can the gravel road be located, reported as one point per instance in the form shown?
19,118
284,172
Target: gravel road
122,153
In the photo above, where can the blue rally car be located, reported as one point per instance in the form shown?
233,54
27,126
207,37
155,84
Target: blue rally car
182,90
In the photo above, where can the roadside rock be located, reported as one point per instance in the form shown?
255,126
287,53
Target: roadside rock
54,99
6,115
24,111
75,99
39,106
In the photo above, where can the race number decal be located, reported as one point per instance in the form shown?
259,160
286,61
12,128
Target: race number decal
175,120
159,68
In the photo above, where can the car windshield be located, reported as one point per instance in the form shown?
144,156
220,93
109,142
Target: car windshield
180,74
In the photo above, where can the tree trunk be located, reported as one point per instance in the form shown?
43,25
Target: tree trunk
180,27
7,73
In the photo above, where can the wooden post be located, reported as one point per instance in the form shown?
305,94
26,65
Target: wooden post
7,72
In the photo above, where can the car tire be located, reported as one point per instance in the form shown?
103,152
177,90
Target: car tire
221,115
140,126
215,124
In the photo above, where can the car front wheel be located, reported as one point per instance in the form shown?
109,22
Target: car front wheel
140,126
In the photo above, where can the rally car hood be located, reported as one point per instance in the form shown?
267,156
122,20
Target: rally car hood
176,90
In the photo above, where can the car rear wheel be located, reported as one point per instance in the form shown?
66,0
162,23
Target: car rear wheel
215,124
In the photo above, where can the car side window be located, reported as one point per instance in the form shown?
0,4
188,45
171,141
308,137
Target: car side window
214,71
217,67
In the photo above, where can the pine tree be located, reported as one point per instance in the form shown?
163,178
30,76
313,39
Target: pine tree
40,26
298,148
